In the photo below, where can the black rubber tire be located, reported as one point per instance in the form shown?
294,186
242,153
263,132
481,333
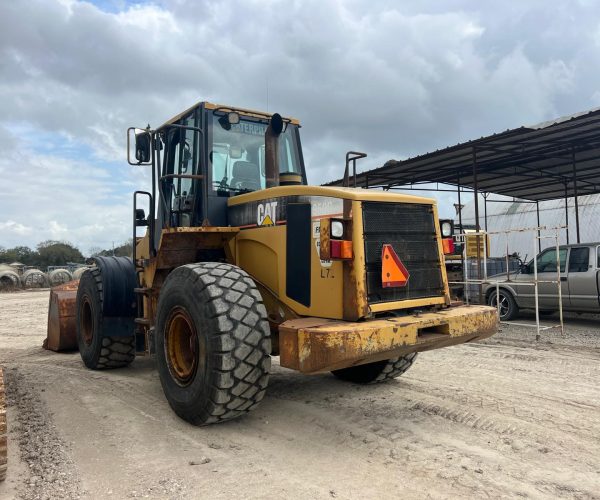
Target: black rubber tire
98,353
231,336
511,308
379,371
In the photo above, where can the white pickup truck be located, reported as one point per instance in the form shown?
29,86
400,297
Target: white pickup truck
579,282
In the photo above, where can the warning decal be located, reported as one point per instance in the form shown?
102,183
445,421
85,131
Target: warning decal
393,272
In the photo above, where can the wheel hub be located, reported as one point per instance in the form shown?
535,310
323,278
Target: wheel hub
87,323
503,306
181,346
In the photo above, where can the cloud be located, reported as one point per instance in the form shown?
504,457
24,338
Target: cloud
60,198
10,226
391,79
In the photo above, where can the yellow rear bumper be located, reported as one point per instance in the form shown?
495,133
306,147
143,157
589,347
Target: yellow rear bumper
313,345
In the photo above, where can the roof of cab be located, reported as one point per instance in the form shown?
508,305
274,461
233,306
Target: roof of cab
242,111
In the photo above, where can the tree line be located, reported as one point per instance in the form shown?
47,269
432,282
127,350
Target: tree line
57,253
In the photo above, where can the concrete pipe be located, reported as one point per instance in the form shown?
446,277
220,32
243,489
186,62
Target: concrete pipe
78,272
34,278
59,276
8,279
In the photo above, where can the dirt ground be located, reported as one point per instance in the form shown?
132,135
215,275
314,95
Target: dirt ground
506,417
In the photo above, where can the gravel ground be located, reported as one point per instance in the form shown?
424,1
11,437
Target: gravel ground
580,330
505,417
49,462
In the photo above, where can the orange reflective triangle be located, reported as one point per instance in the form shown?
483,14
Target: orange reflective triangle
393,272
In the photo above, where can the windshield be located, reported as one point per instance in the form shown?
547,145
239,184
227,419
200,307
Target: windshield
238,154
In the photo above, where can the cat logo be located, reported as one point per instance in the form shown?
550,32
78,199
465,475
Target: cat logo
267,213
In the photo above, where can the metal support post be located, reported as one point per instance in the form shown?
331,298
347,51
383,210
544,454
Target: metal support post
537,209
535,281
459,206
566,214
477,226
485,200
560,308
575,194
460,225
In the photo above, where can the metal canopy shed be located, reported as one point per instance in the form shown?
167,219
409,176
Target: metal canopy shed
555,159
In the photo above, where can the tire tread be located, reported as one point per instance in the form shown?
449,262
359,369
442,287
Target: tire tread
115,352
239,339
377,372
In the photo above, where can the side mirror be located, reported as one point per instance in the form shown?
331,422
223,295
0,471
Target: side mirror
233,118
229,119
143,145
524,268
140,217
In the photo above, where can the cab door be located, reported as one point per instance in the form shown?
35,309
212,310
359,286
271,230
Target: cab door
582,277
179,181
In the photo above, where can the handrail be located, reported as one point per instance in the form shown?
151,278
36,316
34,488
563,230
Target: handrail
181,176
351,156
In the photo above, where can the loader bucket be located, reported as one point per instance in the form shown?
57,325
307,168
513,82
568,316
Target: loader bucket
62,329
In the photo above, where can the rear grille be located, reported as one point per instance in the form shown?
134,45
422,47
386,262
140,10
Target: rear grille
410,229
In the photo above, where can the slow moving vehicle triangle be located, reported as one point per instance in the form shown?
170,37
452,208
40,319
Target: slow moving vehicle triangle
393,271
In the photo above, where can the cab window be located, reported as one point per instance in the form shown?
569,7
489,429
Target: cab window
237,154
579,259
546,261
179,169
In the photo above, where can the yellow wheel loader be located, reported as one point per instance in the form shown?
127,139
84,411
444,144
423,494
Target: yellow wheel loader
242,260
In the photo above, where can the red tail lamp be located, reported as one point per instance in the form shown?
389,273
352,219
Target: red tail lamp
448,246
332,242
341,249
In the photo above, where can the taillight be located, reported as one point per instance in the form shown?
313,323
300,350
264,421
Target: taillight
448,246
341,249
335,240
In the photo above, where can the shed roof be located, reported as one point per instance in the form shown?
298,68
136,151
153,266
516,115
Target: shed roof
554,159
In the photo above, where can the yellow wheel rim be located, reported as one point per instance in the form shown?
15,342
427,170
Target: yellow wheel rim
181,346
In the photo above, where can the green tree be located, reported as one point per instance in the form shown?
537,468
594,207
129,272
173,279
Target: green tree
123,250
22,254
57,253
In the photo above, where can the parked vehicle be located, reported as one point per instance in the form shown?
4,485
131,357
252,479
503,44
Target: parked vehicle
579,282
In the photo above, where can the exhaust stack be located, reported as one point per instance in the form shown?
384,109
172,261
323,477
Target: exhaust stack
272,150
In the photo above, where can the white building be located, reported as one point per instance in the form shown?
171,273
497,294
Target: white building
510,215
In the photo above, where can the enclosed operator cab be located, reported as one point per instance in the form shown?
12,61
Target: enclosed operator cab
210,153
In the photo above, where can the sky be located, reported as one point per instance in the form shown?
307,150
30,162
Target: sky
393,79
